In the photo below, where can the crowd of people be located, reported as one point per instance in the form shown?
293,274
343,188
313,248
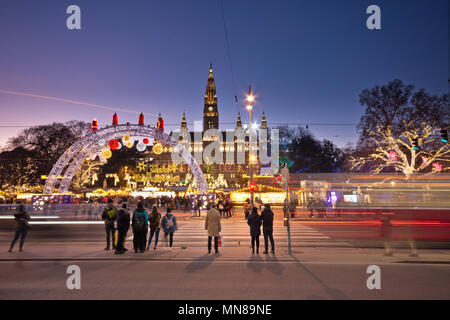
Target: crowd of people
119,218
141,220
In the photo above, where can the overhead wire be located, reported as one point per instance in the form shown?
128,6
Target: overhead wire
227,41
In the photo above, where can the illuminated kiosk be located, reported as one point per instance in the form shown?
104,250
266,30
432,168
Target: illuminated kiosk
97,141
267,194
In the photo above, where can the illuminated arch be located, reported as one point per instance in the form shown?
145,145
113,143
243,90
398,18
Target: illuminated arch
67,165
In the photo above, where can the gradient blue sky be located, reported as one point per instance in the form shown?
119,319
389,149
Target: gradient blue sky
307,60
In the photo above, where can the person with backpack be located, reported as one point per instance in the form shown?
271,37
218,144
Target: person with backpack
140,228
109,215
21,226
169,224
267,219
155,226
212,224
123,224
254,221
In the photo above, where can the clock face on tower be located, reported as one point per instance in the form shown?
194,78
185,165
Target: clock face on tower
210,109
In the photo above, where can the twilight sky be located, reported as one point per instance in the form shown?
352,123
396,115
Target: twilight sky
307,60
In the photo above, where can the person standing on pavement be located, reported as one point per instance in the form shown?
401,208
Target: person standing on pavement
109,215
155,226
267,220
228,207
212,224
169,224
199,207
123,224
221,208
140,228
21,226
254,221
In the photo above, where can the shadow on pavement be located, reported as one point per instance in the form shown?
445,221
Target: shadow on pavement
256,263
335,294
201,262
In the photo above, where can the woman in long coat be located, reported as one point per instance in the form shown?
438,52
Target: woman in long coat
255,221
212,225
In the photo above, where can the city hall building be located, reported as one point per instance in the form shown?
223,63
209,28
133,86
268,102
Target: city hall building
156,168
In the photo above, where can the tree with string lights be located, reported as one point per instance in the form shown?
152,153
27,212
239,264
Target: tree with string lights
400,154
399,131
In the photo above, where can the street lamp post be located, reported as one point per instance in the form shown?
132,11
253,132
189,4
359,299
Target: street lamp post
250,99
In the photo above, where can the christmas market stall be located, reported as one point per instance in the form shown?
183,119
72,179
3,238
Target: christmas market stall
267,194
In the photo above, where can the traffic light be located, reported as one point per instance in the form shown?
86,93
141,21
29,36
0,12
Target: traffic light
415,144
444,135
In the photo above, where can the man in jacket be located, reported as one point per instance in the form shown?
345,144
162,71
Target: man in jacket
109,215
123,224
212,224
21,227
169,225
267,219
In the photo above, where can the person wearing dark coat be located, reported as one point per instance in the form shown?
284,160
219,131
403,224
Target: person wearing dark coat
140,228
254,221
109,215
123,224
267,219
21,226
155,226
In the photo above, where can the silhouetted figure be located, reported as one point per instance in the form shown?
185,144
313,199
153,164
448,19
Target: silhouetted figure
267,220
254,221
21,227
109,215
123,224
140,228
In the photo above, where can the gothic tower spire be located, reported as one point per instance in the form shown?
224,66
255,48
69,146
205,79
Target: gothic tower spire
263,121
183,122
210,110
239,122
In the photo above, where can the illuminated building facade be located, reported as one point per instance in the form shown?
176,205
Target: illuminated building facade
157,167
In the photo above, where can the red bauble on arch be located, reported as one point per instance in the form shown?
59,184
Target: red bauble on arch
146,141
113,144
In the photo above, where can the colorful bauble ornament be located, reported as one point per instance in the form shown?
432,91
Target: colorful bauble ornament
437,167
120,146
113,144
392,155
146,141
158,148
106,153
129,144
141,147
101,142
